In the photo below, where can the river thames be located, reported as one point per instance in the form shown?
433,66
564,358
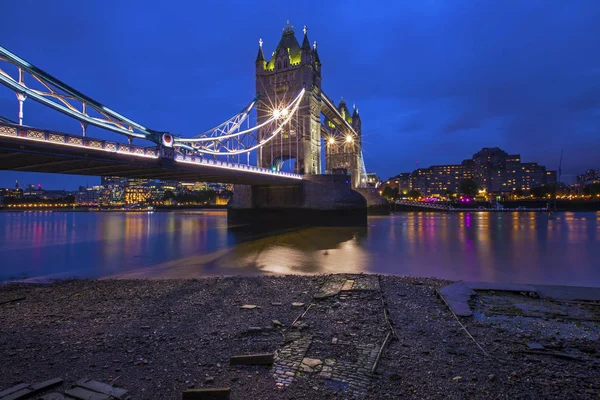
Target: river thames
497,247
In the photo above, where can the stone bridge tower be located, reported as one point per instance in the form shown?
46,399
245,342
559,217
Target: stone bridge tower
278,81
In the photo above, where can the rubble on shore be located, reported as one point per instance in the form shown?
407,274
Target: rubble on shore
331,337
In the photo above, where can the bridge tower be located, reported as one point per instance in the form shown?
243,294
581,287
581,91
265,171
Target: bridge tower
343,147
278,81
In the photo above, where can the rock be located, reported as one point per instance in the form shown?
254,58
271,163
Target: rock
311,362
334,340
306,368
297,304
248,307
491,377
394,377
276,303
209,379
276,323
535,346
255,329
457,378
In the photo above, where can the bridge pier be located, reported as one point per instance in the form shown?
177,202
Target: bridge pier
318,200
376,204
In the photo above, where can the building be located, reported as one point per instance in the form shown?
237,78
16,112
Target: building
373,180
494,170
89,195
589,177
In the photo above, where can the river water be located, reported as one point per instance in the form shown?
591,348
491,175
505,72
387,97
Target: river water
493,247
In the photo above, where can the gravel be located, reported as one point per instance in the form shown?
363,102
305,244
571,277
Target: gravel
158,337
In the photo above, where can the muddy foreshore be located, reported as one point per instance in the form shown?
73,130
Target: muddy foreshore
156,338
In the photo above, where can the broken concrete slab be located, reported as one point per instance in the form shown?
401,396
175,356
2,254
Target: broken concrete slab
207,394
456,296
13,389
501,287
19,394
53,396
252,359
85,394
104,388
569,293
38,387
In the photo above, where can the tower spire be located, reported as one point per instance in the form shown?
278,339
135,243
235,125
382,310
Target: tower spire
260,57
305,42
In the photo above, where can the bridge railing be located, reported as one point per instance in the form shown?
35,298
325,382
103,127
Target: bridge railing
85,142
196,159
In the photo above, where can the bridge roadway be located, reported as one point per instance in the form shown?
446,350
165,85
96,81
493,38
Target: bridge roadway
35,150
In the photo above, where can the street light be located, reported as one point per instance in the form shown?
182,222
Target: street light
349,139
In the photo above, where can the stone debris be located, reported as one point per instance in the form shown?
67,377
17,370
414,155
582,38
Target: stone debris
348,285
252,359
535,346
25,390
297,304
193,330
207,394
248,307
311,362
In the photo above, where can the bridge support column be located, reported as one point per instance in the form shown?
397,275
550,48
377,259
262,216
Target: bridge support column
376,204
319,200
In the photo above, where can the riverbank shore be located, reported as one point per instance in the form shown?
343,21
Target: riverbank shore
334,336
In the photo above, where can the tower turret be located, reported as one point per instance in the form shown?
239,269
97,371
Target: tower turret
261,63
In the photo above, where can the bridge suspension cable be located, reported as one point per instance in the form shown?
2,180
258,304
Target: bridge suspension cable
242,141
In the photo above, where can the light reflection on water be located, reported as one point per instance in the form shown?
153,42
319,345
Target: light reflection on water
516,247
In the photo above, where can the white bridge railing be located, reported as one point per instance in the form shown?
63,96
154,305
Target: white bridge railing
88,143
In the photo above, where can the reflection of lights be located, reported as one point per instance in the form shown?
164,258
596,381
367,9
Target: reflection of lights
349,139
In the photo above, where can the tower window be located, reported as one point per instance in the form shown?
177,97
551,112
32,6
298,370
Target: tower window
285,64
279,65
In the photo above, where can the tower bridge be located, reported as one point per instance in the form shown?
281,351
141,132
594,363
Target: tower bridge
289,106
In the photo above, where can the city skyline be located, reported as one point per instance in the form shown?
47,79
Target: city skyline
533,94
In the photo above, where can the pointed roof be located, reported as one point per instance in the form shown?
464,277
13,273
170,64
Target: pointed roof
316,54
260,56
289,41
305,42
355,113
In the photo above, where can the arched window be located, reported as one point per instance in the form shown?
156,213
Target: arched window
279,65
285,64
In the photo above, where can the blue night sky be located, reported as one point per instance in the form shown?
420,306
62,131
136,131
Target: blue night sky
434,80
